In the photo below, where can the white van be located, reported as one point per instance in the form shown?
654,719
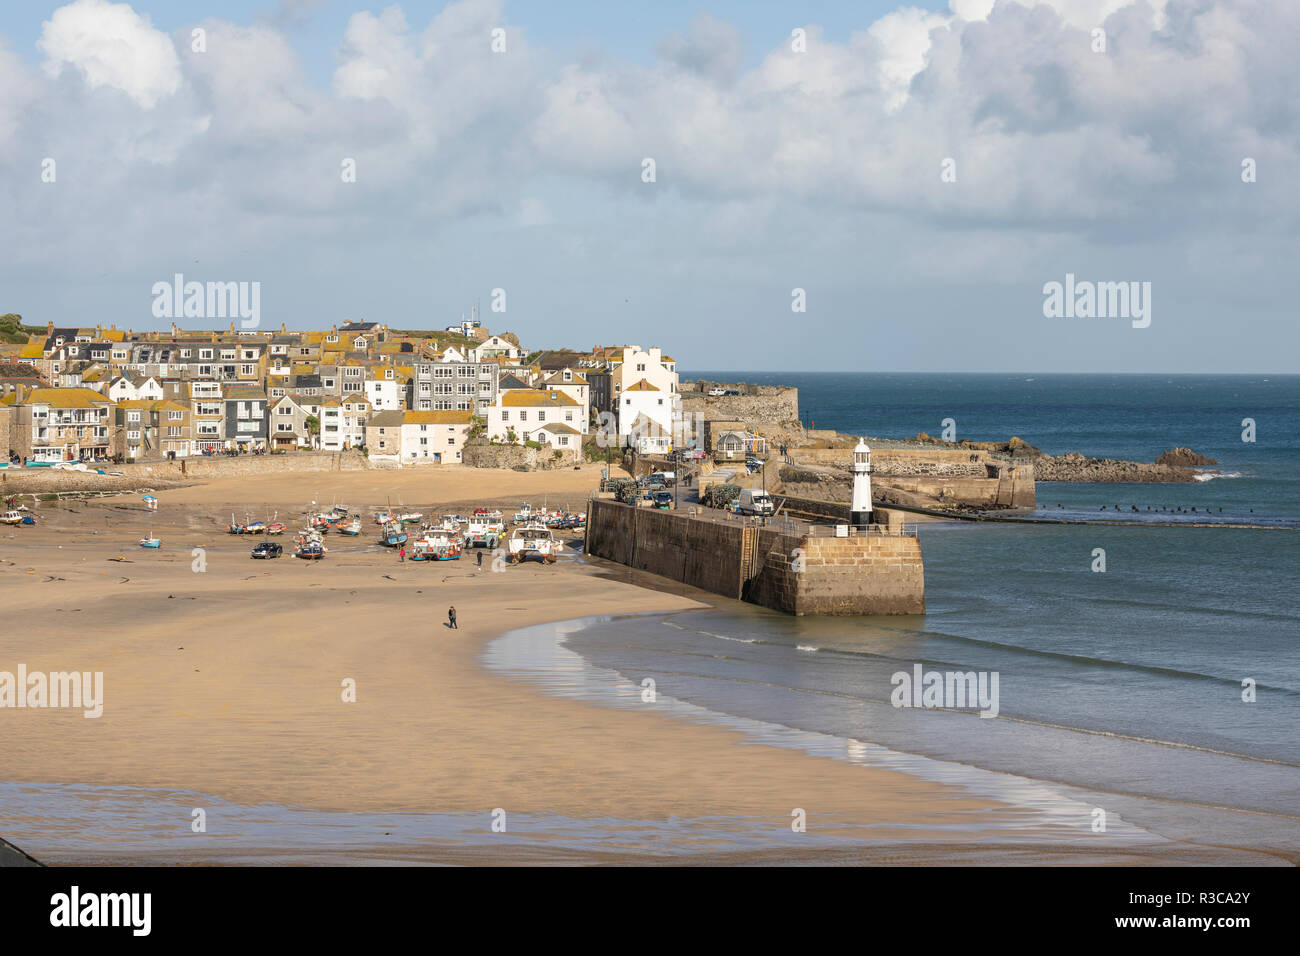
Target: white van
755,501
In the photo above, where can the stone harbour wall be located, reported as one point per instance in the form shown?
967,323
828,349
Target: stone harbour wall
790,570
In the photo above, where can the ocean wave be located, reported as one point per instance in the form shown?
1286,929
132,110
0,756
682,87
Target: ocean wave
1212,475
724,637
806,647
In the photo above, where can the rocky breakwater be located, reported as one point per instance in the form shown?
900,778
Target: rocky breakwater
1073,466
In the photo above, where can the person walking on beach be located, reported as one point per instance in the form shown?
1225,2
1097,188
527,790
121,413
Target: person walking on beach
401,554
480,560
451,617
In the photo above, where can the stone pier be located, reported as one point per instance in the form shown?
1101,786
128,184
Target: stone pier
789,565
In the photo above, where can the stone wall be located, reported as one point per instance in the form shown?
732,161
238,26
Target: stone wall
795,571
518,457
703,554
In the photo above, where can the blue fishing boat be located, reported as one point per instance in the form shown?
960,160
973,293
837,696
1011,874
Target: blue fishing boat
392,535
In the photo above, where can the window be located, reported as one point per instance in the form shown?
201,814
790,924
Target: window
541,414
568,414
173,431
133,416
564,439
523,414
133,435
175,416
205,353
245,370
505,414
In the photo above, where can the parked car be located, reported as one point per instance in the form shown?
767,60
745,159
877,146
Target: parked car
268,549
731,391
716,391
663,499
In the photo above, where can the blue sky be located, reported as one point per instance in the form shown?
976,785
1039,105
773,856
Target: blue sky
776,170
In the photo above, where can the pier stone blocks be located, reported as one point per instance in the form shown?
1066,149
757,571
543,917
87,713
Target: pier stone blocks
795,571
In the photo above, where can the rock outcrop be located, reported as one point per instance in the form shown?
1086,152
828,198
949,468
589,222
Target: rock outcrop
1184,457
1075,467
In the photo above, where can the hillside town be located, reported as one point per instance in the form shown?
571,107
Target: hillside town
406,397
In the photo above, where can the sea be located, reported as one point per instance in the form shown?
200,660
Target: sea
1162,685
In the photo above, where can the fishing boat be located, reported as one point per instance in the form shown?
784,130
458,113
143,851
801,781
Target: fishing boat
235,528
12,517
255,527
310,547
309,551
484,531
484,513
532,540
383,517
411,517
392,535
151,541
275,527
525,513
339,512
353,527
436,545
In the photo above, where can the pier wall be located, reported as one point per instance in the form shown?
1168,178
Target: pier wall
799,571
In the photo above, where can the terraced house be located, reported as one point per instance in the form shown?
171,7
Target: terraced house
343,422
207,416
60,424
245,409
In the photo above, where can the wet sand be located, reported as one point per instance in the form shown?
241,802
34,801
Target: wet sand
225,676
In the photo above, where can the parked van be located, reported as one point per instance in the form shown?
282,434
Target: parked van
665,478
755,501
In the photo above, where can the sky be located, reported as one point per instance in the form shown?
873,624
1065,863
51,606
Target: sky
837,186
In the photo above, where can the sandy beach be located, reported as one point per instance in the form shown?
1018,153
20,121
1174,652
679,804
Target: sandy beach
229,680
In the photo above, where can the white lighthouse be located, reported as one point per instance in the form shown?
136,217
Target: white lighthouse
860,512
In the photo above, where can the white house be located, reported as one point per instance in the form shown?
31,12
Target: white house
434,437
384,392
523,413
124,389
494,346
571,383
643,382
640,406
343,422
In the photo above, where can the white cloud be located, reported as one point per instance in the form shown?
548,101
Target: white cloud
111,45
